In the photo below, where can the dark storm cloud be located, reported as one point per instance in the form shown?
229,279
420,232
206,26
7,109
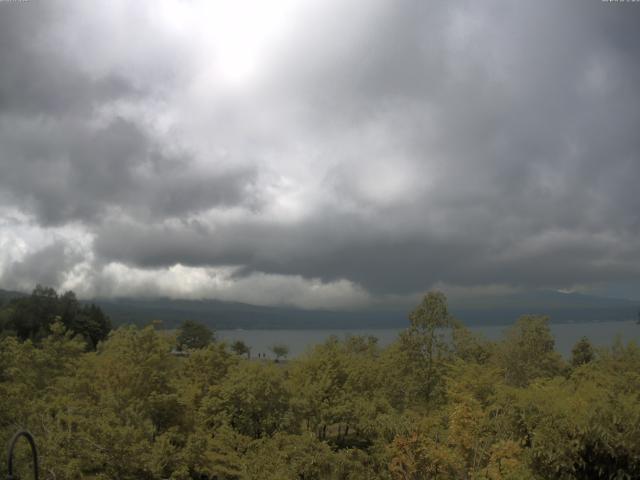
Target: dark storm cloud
383,262
59,163
68,171
38,76
458,142
47,266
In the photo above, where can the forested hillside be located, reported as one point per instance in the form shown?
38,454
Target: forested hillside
439,403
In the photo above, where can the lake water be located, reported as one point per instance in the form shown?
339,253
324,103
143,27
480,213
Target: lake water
298,341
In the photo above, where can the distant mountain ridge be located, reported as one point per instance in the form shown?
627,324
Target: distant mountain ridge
479,310
6,295
231,315
488,309
560,307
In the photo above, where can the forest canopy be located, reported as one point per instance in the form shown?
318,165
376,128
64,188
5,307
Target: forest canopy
438,403
32,316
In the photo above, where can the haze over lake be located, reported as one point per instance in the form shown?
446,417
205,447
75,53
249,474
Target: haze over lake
298,341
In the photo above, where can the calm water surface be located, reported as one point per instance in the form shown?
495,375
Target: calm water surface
298,341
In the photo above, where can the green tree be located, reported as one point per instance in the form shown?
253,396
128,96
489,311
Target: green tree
193,335
31,317
91,322
241,348
290,456
319,380
527,352
346,410
424,346
469,346
68,307
252,399
118,400
201,371
280,351
582,352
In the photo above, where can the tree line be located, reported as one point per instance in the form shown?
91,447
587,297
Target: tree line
31,317
438,403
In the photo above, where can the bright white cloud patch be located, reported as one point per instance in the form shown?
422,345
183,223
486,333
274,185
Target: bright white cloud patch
178,281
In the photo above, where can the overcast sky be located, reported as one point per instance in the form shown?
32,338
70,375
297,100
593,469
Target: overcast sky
324,153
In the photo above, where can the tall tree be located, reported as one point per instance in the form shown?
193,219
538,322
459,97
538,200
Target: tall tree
253,400
582,352
193,335
32,317
425,344
527,352
280,351
92,324
241,348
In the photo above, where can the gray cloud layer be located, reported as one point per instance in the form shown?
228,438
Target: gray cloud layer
388,145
